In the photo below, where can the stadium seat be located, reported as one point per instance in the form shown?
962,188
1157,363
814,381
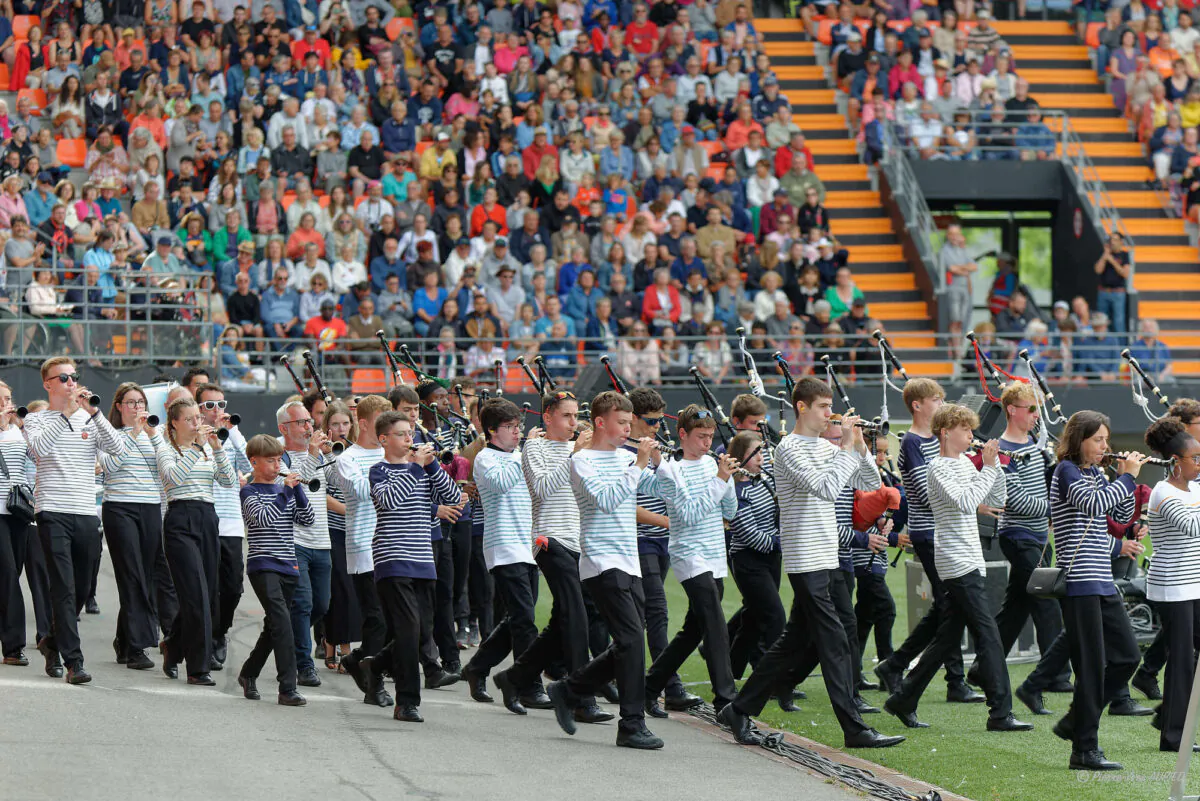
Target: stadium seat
287,200
825,31
36,96
368,381
72,152
713,148
397,25
4,76
1092,38
21,25
323,201
421,147
716,171
515,380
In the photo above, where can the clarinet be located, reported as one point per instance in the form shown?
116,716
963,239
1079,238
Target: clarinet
287,363
316,377
391,358
713,405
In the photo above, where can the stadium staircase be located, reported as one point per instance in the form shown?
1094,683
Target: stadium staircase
1061,76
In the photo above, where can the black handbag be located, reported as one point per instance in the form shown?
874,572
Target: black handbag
1050,582
20,499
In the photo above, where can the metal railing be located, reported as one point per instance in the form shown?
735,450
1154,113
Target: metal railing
985,129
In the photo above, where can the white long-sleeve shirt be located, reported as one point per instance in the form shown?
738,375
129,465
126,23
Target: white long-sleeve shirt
1174,518
64,451
956,489
507,508
547,466
351,477
697,503
605,484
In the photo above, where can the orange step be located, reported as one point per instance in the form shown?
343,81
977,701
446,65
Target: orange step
778,25
1072,76
867,225
1166,309
1128,150
1134,200
876,254
820,122
1092,124
1025,27
1143,226
1165,254
1058,100
810,97
1050,53
1165,282
1138,172
842,172
1180,340
928,369
800,73
1185,367
913,340
832,147
904,310
788,48
886,282
853,199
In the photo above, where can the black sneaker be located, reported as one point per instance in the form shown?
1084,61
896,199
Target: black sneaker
642,739
77,674
291,698
91,607
137,660
308,678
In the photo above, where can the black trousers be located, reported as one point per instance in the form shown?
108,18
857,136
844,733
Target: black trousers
969,609
443,601
1104,654
762,616
619,599
94,581
875,609
374,629
704,621
399,597
654,571
517,590
458,536
1023,557
1154,658
70,544
13,541
813,626
597,629
480,591
231,575
190,541
274,591
343,621
1183,635
926,630
134,534
841,592
426,594
564,639
38,579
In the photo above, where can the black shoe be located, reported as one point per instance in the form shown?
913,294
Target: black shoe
592,714
564,711
54,667
643,738
137,660
739,725
609,691
654,709
1092,760
1147,685
1156,720
378,696
788,705
202,679
91,607
682,702
461,640
1008,724
17,660
1063,730
863,707
477,685
170,671
1031,699
78,674
352,662
439,679
537,700
249,689
863,684
889,676
973,676
963,694
220,650
119,649
1061,687
1175,749
407,713
214,666
870,738
508,693
473,639
908,718
291,698
308,678
1129,708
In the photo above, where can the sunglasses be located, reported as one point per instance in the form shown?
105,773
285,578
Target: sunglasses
68,378
210,405
653,422
703,414
563,395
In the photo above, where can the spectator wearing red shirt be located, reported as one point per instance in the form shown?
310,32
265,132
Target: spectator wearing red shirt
904,72
786,155
311,43
531,157
738,133
326,327
489,209
768,218
642,35
661,302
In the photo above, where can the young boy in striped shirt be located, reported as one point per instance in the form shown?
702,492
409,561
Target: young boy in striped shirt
956,490
809,474
606,479
271,512
404,486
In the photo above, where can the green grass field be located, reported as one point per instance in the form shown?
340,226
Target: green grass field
957,752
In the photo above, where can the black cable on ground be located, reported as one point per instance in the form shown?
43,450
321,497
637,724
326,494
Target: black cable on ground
856,778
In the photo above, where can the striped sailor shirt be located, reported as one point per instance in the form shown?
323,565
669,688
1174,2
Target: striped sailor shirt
1080,503
65,451
916,452
228,500
313,535
651,539
14,448
1174,518
956,489
606,485
132,476
810,473
547,467
352,477
508,509
401,495
697,503
1026,513
191,474
850,541
755,526
272,511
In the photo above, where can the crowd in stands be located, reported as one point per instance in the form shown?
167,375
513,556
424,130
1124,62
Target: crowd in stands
483,178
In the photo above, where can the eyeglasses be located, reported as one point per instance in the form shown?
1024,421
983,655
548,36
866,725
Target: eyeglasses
134,404
513,427
210,405
306,422
68,378
653,422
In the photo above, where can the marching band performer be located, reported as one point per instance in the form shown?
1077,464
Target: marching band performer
190,463
16,541
132,517
64,441
343,621
1173,580
809,474
955,491
272,511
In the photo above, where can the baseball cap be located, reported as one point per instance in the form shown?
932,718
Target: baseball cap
129,32
873,58
687,129
771,81
45,177
500,242
854,36
781,193
859,302
1062,304
462,240
163,240
443,137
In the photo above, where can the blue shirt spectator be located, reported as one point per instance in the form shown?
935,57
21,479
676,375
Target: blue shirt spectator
1099,354
1152,353
617,161
580,305
398,137
432,307
682,266
280,307
38,202
384,265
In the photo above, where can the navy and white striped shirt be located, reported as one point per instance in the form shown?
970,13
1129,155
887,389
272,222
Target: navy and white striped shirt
401,495
916,452
14,448
651,539
132,475
316,534
271,511
1174,517
755,527
849,540
190,475
1080,503
65,453
1026,513
868,562
337,520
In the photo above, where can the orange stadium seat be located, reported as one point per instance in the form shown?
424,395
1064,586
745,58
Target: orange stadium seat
396,26
72,152
21,25
36,96
368,381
